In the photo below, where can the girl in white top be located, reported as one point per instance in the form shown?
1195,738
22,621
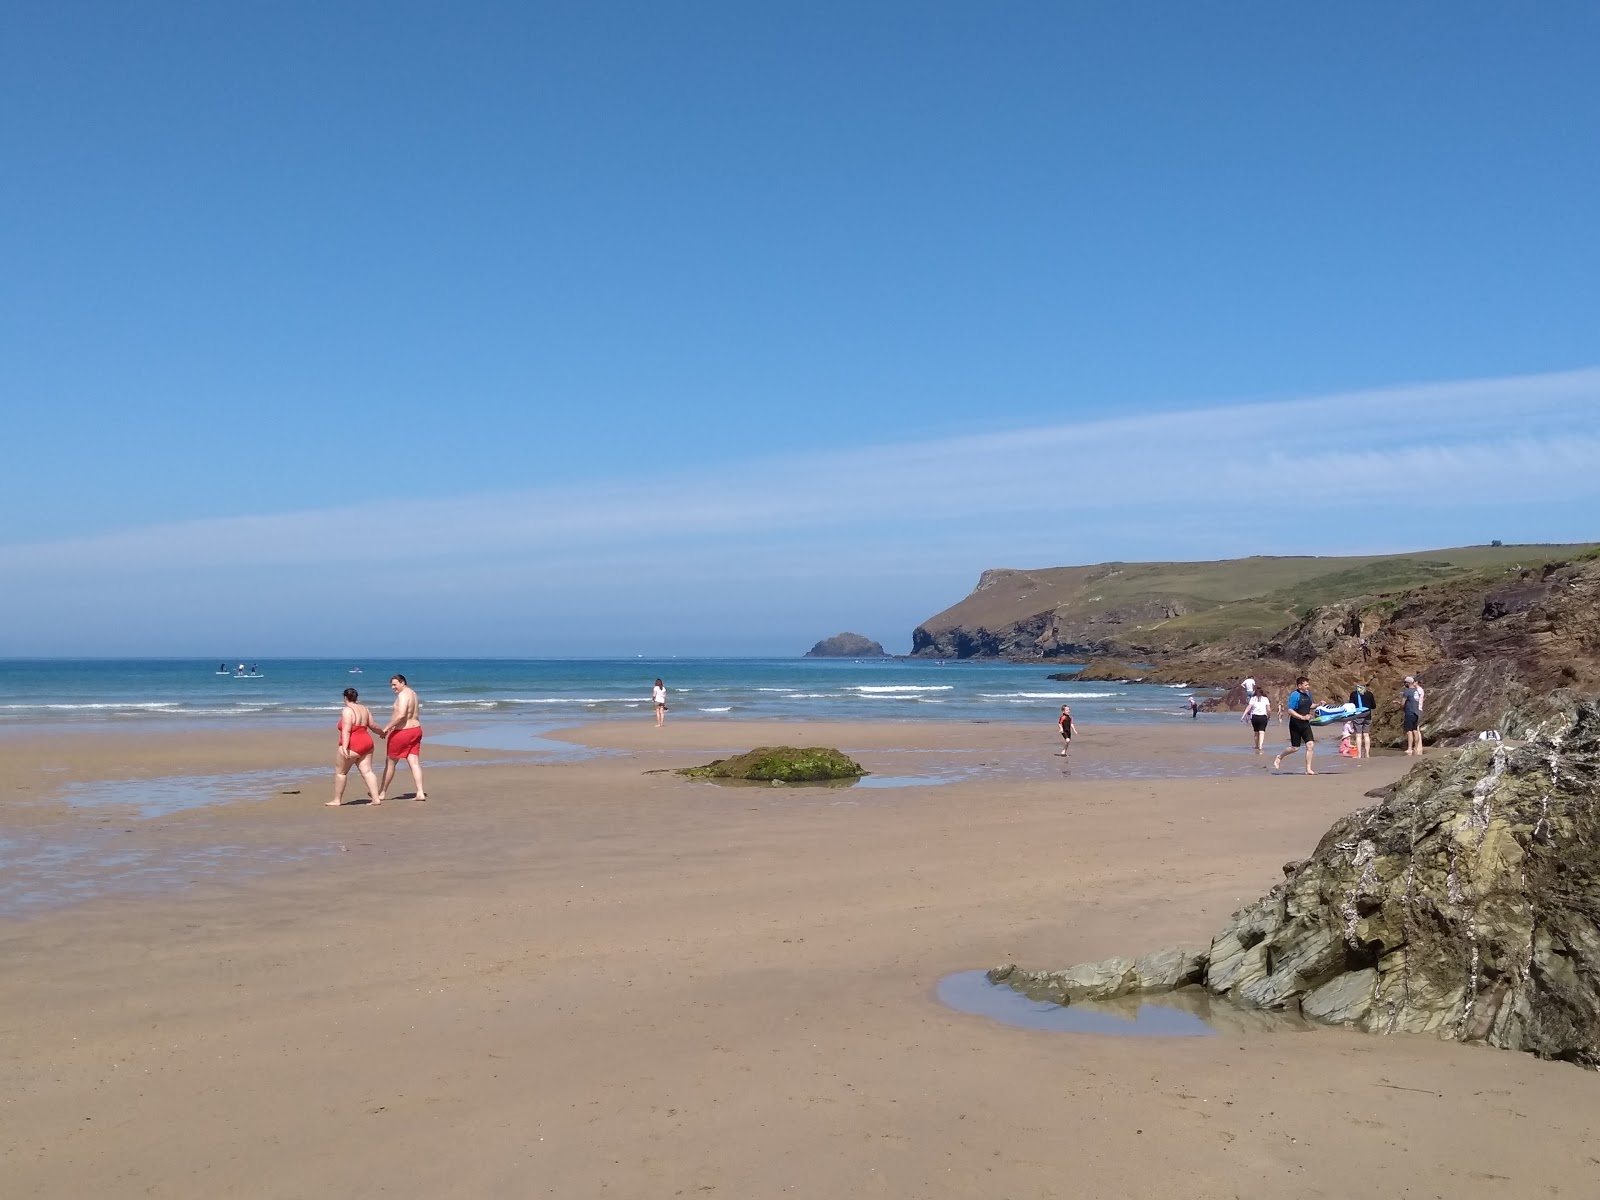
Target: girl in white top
659,695
1258,711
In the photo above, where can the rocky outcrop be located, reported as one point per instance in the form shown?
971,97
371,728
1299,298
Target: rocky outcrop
846,645
1465,904
781,764
1208,619
1107,670
1494,651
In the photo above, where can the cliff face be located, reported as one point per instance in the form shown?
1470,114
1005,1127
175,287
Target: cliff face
1150,611
1492,653
1056,612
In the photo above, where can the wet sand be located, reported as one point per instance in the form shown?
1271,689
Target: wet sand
579,979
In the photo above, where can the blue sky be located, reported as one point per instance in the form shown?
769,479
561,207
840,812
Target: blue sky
706,328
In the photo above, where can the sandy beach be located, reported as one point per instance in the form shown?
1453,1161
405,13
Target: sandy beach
579,978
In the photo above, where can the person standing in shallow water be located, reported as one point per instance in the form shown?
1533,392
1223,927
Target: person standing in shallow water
658,696
1300,707
1064,724
1259,713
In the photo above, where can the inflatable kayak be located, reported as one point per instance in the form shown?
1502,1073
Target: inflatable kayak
1327,714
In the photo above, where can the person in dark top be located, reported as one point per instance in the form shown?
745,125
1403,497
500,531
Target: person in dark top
1413,715
1194,708
1361,696
1065,725
1299,707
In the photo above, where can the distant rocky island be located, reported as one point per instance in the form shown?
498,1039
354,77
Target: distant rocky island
1502,637
847,645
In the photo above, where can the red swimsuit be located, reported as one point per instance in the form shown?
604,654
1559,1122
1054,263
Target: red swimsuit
360,739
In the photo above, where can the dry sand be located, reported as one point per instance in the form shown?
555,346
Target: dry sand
578,979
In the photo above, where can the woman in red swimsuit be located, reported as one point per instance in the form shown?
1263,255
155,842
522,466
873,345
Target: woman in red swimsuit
355,748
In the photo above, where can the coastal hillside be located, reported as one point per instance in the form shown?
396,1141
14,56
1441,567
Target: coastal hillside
1147,611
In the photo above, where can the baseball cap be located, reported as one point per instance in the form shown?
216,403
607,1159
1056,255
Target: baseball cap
1411,678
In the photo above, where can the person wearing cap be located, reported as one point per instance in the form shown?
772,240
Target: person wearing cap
1361,696
1413,715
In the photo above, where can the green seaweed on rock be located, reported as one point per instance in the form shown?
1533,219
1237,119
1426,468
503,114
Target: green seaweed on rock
781,764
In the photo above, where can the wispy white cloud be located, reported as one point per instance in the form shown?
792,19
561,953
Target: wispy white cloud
1413,466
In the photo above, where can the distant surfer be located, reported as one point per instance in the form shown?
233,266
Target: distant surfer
355,748
1258,711
404,733
1300,707
658,696
1361,724
1064,724
1413,696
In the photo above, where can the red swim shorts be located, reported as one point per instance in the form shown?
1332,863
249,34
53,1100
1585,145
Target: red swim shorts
405,742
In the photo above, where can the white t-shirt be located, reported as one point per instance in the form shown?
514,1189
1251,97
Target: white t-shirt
658,694
1249,687
1259,706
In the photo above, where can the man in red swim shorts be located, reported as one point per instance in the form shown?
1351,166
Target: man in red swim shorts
404,733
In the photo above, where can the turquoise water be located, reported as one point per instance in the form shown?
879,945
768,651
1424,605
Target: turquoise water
547,691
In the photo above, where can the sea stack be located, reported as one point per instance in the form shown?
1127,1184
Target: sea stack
846,645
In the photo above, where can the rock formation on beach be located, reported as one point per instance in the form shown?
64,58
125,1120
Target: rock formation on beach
1466,904
846,645
781,764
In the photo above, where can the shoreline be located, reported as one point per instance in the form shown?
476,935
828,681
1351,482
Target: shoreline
564,978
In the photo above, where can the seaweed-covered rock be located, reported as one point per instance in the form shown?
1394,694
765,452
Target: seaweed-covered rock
1465,904
781,764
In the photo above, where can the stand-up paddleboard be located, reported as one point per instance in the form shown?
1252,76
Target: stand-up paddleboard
1327,714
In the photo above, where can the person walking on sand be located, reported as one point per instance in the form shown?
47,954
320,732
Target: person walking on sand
1413,695
1249,686
1299,707
658,696
1064,724
1194,708
1259,713
1361,696
404,733
355,749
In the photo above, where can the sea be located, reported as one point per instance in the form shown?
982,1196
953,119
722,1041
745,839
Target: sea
554,692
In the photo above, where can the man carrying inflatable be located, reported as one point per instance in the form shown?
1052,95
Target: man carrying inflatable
1300,707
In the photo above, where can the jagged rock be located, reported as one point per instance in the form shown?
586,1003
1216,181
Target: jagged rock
1173,967
1466,904
846,645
